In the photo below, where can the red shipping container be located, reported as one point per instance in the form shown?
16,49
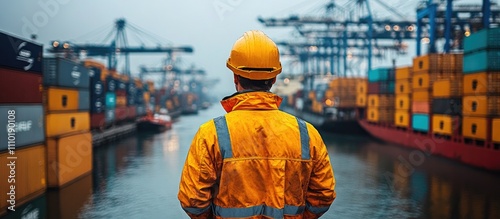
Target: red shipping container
420,107
132,112
97,121
121,113
121,93
20,87
373,88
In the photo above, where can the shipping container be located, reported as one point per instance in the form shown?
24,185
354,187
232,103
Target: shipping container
121,85
361,101
121,113
93,64
429,63
28,125
68,158
387,87
65,73
421,95
65,123
381,74
495,131
111,84
121,101
19,87
446,88
110,116
373,88
97,89
362,87
481,106
403,102
453,62
69,201
445,124
482,61
482,83
488,38
447,106
404,73
402,118
20,54
110,101
420,122
381,115
475,127
422,107
403,86
97,121
94,74
30,177
141,110
380,101
65,99
96,105
421,81
132,112
345,102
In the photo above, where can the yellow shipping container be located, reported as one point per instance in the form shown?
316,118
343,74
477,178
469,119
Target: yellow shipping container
429,63
404,72
481,105
68,158
376,100
58,99
361,87
495,131
361,100
421,81
403,86
475,127
444,124
421,95
446,88
147,97
403,102
482,83
30,175
380,115
402,118
64,123
121,101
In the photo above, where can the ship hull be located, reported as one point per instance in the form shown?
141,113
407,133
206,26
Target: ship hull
476,154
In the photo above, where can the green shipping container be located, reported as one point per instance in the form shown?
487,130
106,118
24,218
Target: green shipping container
482,61
484,39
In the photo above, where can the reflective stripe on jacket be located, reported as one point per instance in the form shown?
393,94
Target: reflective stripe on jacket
256,162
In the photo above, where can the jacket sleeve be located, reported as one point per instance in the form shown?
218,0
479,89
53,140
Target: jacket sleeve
321,190
198,177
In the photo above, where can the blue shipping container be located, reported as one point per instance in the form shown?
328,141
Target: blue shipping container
94,74
97,89
96,105
65,73
483,39
482,61
27,122
109,115
110,100
83,100
420,122
111,84
380,74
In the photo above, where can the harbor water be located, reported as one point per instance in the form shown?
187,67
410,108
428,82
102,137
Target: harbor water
138,177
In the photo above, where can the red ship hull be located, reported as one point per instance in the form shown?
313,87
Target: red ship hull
477,154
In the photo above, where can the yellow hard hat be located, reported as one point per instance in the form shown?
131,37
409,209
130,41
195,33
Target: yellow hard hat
255,56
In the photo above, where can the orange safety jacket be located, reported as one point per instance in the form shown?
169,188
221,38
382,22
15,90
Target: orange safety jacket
256,162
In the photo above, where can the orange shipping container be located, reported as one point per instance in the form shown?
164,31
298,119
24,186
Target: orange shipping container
482,83
495,132
453,62
404,72
447,88
481,105
380,115
403,102
375,100
68,158
57,99
361,87
121,101
475,127
429,63
402,118
421,95
361,101
445,124
65,123
420,107
421,81
403,86
30,175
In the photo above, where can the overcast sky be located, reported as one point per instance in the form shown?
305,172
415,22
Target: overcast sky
210,26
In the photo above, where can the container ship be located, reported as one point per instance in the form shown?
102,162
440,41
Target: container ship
445,104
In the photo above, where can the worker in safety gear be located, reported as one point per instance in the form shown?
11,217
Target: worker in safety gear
256,161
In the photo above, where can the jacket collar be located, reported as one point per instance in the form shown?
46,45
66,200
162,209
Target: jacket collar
251,100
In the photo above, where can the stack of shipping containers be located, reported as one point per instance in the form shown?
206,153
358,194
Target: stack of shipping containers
131,97
426,70
139,98
22,149
121,110
481,101
403,90
447,97
97,74
110,98
361,93
69,142
381,82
